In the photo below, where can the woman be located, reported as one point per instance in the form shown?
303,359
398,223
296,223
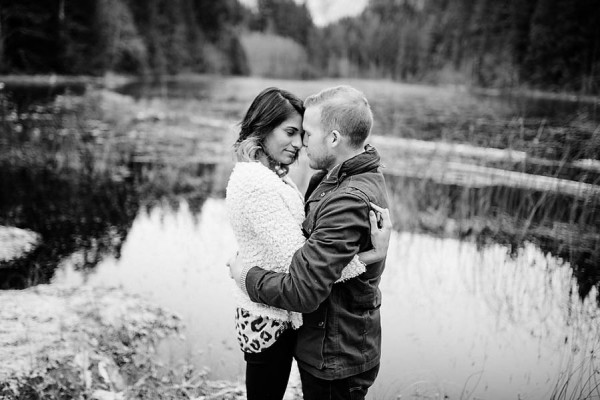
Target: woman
266,212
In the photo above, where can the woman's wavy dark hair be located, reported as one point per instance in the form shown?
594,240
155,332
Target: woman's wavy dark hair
268,110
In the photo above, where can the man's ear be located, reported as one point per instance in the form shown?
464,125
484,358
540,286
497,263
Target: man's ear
335,138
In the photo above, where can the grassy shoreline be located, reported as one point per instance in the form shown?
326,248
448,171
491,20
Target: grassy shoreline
113,80
108,81
95,343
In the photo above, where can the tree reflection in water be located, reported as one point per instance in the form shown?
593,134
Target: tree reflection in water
71,212
86,218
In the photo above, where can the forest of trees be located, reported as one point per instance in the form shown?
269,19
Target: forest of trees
131,36
548,44
552,44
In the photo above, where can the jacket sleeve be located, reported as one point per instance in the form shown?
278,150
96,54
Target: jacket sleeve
340,230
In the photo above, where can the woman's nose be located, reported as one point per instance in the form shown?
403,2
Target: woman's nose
297,141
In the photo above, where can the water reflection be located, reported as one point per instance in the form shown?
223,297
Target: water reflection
71,212
86,217
158,183
457,320
476,323
177,258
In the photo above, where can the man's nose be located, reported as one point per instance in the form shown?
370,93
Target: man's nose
305,141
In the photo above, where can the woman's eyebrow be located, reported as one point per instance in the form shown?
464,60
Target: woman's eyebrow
293,127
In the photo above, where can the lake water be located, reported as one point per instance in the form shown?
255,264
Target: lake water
459,320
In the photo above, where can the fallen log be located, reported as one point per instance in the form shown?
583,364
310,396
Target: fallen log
395,146
461,164
469,175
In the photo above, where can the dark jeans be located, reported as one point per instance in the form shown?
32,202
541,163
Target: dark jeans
268,372
352,388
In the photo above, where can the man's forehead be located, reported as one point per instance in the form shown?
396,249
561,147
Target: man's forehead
312,113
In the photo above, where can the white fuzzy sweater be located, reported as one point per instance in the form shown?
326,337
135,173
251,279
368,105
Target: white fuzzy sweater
266,213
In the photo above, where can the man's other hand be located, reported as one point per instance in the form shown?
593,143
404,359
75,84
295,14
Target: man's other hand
381,230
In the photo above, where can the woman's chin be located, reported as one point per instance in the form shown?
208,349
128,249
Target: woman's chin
286,160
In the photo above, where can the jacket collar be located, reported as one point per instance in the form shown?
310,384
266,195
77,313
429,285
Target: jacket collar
363,162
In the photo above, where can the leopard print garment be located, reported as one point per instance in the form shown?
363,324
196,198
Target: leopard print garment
256,333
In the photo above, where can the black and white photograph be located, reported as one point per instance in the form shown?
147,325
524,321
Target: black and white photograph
299,199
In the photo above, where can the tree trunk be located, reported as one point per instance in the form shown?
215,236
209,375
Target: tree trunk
61,11
2,36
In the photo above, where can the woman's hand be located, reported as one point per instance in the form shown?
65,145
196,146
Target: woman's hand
381,230
235,268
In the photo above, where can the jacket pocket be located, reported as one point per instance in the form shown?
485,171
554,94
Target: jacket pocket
367,301
307,226
311,338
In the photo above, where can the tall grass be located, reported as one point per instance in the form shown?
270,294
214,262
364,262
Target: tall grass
566,227
580,380
68,133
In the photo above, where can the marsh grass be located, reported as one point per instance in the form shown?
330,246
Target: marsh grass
102,133
564,226
580,379
65,134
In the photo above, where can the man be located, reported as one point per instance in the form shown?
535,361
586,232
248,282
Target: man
339,344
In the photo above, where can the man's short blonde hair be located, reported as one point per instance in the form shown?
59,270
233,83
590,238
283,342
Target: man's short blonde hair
345,109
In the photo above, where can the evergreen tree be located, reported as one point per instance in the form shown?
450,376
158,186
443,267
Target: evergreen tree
540,58
285,18
120,46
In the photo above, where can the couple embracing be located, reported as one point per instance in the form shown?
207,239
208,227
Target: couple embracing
309,266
